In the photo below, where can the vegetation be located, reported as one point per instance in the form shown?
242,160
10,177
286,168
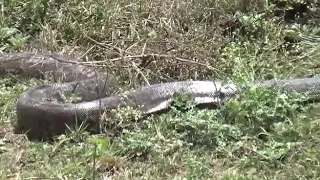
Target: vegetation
260,134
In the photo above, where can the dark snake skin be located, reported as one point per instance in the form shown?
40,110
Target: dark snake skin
43,111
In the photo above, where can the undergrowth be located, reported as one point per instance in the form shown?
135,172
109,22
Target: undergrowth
259,134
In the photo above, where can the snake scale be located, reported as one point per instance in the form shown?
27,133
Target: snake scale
43,112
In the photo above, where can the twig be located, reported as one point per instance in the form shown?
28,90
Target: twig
96,63
84,54
119,50
163,56
89,64
140,73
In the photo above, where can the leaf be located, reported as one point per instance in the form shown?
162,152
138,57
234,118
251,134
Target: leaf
102,144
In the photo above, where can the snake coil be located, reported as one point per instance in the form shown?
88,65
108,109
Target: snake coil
43,112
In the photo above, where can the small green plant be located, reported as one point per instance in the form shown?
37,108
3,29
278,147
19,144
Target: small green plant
101,146
259,134
135,144
181,102
11,38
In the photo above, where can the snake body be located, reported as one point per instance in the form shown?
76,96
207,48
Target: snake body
43,112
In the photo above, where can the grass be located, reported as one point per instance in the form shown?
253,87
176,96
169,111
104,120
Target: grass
260,134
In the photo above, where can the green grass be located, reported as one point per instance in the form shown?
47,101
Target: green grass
260,134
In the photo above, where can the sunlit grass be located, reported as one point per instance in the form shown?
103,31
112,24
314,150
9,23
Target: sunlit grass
260,134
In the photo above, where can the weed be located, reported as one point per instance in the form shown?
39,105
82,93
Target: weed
259,134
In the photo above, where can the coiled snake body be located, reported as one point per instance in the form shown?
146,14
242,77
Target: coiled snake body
42,111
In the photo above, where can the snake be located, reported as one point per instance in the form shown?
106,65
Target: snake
43,111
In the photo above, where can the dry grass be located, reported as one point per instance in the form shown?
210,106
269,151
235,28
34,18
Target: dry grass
146,42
